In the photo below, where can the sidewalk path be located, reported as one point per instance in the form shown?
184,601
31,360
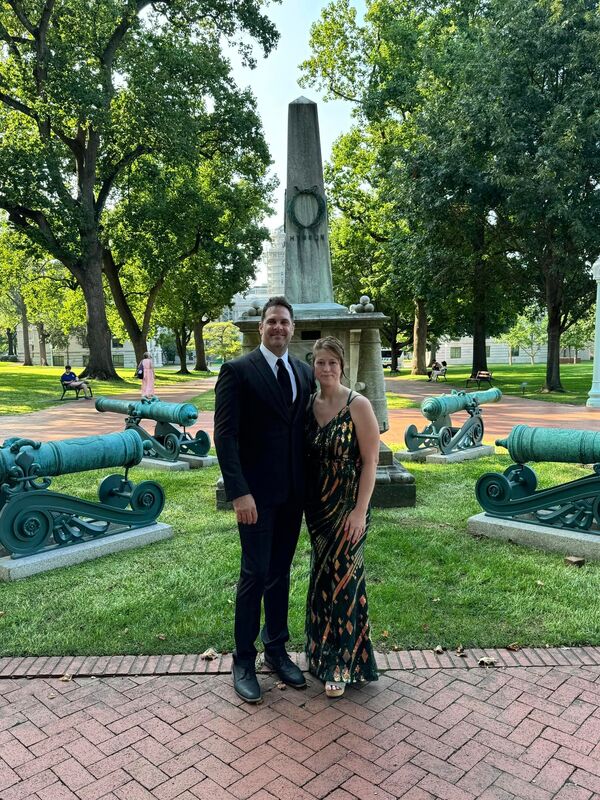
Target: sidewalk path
80,418
432,728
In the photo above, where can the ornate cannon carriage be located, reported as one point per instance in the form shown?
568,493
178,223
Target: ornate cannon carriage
512,495
32,518
167,441
440,432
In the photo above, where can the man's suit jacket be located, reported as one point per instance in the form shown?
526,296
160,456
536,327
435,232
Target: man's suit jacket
259,440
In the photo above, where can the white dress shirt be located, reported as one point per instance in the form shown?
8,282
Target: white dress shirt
272,362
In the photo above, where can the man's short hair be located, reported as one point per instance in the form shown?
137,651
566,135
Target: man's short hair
279,300
67,366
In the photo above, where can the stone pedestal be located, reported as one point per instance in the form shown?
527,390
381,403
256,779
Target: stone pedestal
14,569
431,455
540,537
164,466
198,462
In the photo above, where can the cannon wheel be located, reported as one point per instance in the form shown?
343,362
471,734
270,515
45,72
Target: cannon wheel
522,479
112,484
493,491
410,438
25,531
445,440
148,497
203,440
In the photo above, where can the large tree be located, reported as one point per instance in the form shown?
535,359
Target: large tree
88,87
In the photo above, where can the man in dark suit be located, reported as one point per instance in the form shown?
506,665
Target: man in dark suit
259,426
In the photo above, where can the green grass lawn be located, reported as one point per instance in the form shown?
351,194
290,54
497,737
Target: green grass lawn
24,389
428,581
576,380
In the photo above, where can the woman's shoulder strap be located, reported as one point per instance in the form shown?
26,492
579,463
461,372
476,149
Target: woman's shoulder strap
351,396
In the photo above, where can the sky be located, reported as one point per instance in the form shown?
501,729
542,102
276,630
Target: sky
274,83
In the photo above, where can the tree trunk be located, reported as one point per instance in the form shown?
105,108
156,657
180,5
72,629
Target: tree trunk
138,336
575,356
181,341
553,305
12,342
200,365
395,354
100,364
27,362
510,356
479,322
420,338
42,341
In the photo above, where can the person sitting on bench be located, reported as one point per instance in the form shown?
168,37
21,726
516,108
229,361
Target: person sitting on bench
70,380
436,369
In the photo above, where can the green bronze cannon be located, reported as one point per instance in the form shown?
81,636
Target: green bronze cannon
32,518
573,506
440,432
167,441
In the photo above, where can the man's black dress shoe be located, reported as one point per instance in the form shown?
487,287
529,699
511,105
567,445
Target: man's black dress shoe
285,668
246,684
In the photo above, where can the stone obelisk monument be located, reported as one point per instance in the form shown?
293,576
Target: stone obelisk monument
307,261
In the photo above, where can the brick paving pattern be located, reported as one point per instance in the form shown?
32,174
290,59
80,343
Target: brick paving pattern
433,726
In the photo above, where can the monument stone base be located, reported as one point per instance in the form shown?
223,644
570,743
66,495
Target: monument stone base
14,569
540,537
431,455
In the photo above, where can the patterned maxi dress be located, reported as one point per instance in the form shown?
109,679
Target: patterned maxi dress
338,644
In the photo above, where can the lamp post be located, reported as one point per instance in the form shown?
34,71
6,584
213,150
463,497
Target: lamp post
593,400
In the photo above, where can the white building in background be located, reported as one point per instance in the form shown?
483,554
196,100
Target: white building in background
460,351
242,302
77,355
273,258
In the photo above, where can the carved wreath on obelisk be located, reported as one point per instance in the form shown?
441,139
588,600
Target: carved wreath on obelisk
307,207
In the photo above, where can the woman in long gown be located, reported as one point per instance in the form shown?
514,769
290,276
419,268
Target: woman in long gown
148,377
342,437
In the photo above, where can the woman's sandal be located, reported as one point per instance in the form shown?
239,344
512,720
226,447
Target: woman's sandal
333,689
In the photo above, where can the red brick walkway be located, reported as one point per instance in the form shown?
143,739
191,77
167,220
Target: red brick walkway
432,727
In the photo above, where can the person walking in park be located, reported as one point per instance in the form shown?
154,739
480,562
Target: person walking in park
260,406
68,378
342,441
147,365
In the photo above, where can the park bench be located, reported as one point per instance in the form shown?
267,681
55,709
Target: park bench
483,375
441,374
68,388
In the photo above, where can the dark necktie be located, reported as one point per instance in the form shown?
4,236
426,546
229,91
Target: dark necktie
283,378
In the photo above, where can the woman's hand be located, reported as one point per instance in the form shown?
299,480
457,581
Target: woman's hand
356,522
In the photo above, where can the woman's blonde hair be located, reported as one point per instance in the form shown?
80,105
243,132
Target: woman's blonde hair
333,345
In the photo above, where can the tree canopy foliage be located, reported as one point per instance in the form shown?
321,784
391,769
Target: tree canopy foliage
95,93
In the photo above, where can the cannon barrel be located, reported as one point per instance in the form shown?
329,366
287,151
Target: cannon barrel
72,455
434,407
526,443
184,414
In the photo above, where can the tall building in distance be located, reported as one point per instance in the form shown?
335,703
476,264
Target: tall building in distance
273,258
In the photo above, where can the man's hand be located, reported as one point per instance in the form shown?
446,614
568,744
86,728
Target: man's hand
245,509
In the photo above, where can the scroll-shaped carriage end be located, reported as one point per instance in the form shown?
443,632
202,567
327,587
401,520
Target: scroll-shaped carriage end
167,441
574,505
